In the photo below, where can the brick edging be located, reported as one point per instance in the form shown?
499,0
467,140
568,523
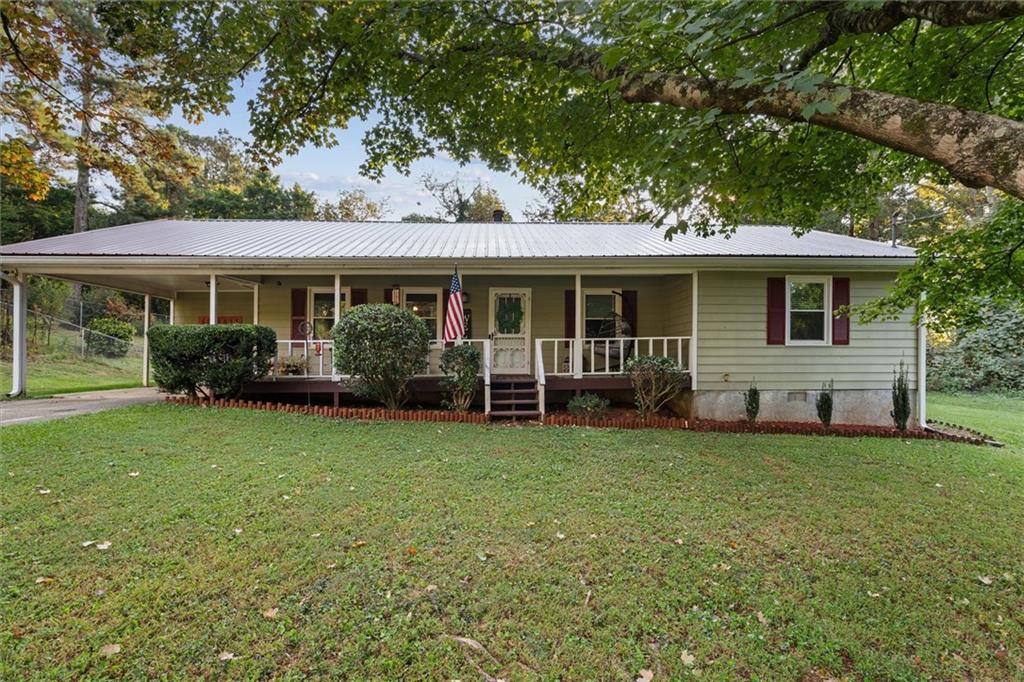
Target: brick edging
617,422
814,429
368,413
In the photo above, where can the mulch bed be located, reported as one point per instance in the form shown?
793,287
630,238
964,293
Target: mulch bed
618,419
369,413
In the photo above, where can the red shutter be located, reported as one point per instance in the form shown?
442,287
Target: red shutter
570,314
359,297
840,298
298,311
776,311
629,311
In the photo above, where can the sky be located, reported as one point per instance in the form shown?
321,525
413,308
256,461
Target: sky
328,171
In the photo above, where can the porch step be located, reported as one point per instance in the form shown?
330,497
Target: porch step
514,397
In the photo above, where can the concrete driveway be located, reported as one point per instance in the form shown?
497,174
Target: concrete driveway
69,404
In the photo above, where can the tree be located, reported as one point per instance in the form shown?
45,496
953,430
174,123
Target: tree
475,206
420,218
352,205
81,104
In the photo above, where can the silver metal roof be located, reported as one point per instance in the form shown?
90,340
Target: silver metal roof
275,239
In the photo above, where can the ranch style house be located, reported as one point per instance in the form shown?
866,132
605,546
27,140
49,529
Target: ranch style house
555,308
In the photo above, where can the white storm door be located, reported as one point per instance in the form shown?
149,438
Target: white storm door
510,330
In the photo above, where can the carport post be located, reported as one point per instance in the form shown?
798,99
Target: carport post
19,349
145,340
213,299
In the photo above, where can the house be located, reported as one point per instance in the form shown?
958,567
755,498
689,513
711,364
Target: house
555,307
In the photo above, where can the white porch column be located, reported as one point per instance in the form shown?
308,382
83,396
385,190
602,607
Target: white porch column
170,312
693,332
255,303
213,299
19,349
337,298
145,339
577,354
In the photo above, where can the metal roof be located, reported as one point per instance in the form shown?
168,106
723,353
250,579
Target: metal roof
293,239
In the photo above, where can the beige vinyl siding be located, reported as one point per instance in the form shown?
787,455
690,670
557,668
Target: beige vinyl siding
189,306
676,307
733,349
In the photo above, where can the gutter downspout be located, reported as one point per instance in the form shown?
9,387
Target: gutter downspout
922,365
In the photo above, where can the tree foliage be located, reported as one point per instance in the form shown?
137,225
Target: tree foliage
465,206
989,357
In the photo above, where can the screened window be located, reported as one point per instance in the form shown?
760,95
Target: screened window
426,305
807,310
601,310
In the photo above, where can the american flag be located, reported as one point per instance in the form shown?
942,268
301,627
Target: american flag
454,319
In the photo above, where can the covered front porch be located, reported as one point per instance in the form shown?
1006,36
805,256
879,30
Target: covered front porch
566,332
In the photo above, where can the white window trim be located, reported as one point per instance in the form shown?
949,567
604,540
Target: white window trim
346,300
815,279
616,302
439,292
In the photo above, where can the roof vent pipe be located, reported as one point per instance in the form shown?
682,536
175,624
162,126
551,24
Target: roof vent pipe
498,216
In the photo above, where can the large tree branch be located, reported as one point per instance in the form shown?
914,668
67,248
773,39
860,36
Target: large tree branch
979,150
840,20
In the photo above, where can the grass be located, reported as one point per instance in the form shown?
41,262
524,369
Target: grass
50,375
565,553
999,416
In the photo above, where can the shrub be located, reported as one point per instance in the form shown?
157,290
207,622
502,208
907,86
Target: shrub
588,405
461,365
900,397
824,403
752,403
109,336
989,358
216,358
656,380
381,347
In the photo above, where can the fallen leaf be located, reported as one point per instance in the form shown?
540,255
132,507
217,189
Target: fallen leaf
88,542
332,565
109,650
286,497
431,588
560,535
687,658
103,545
874,595
411,551
43,579
316,535
761,619
226,656
985,580
645,676
357,544
133,474
44,491
238,531
270,613
679,541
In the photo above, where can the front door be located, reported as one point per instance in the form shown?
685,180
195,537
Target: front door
510,331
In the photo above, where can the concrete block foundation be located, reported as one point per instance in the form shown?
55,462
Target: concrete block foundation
851,406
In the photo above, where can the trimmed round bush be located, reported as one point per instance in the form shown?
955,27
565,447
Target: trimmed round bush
217,359
461,367
109,336
381,347
588,406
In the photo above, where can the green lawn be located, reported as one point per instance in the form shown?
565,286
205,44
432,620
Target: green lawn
312,547
49,375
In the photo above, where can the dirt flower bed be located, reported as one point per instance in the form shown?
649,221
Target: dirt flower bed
368,413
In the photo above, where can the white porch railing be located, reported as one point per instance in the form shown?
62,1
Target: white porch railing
606,357
315,359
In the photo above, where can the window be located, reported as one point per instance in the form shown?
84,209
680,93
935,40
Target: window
808,306
426,305
602,314
321,310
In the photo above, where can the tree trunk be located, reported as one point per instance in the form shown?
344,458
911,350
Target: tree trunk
81,223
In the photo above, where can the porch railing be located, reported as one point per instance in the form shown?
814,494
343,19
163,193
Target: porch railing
606,357
315,358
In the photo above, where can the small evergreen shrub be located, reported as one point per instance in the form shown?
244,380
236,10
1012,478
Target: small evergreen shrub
824,403
900,397
461,367
217,359
656,380
109,336
752,403
381,347
588,406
